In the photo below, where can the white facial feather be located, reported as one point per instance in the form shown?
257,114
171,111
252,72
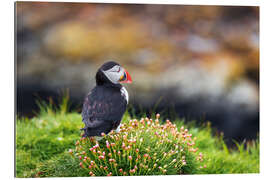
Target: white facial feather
114,74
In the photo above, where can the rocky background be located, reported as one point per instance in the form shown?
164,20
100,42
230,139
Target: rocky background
201,62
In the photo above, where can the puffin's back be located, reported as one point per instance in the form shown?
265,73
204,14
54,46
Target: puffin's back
103,110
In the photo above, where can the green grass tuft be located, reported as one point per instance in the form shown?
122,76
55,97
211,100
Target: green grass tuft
43,142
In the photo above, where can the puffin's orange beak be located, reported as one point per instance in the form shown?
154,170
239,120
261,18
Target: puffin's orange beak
126,78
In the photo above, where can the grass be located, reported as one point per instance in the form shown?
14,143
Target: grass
43,144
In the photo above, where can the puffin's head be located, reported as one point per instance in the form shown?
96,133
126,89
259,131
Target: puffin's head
112,72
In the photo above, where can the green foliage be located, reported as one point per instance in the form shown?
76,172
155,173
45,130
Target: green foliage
142,147
43,142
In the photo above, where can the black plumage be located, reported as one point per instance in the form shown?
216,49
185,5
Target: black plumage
104,106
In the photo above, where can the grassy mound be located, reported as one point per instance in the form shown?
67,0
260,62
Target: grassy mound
50,145
142,147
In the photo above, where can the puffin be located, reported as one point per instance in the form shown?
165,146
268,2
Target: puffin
105,105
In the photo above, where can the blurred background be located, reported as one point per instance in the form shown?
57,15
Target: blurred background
194,62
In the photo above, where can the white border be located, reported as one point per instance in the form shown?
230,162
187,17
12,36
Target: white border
7,85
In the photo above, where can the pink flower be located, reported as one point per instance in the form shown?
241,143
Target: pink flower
145,155
81,164
101,157
130,157
112,160
107,144
70,151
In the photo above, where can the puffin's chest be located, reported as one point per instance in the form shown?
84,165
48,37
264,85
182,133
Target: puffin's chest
124,93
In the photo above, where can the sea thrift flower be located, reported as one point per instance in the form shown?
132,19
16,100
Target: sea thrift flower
70,151
164,171
132,171
107,144
103,134
176,140
145,155
101,157
81,164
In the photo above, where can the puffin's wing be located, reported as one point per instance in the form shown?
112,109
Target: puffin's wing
102,112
